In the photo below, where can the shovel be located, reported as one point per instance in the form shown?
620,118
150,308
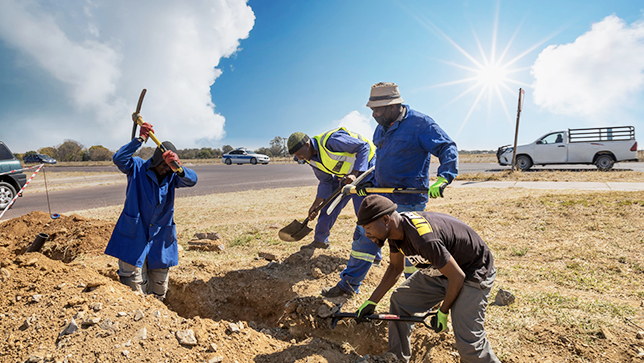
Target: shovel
296,230
431,315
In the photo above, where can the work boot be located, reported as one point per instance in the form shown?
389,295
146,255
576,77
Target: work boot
315,244
334,291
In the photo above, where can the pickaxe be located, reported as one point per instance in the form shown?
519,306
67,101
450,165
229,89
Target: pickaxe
138,120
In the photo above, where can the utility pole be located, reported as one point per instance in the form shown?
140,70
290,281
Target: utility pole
516,131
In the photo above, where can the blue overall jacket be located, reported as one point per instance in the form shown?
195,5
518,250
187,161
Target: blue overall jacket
146,225
403,153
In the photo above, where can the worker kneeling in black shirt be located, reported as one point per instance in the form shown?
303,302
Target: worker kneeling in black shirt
454,266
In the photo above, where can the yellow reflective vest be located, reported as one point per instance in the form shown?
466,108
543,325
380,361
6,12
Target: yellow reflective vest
338,163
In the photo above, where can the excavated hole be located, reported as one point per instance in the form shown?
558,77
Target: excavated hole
263,298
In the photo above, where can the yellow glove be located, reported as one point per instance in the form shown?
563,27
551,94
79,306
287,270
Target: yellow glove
439,322
366,309
436,190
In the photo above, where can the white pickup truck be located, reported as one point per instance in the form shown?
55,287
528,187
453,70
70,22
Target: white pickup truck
602,146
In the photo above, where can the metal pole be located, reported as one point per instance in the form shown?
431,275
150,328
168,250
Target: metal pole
516,131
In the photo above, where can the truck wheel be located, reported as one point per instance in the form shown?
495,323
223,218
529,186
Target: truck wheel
6,194
524,162
604,162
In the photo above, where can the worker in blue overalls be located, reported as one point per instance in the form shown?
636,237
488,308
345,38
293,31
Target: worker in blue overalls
338,157
405,140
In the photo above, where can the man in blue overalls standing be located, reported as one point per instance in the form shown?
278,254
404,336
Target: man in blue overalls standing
405,140
145,238
338,157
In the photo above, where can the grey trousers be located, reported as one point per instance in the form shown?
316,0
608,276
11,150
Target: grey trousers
143,280
421,292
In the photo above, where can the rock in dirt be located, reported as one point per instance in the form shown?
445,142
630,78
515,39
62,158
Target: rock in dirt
317,273
141,335
213,347
30,262
71,328
267,256
606,334
216,359
200,236
205,245
89,321
503,298
233,327
639,335
138,315
34,358
213,236
76,301
5,273
186,337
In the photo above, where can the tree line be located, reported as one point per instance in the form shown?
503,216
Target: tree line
71,150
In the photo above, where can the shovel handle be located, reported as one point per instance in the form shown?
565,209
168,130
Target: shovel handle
387,317
324,203
355,182
351,189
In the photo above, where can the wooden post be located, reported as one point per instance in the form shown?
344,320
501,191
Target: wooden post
516,131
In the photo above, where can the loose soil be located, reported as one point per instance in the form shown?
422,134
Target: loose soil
239,310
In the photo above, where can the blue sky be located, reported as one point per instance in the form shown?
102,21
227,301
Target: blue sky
242,73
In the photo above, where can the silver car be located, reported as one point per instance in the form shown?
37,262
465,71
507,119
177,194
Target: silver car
244,156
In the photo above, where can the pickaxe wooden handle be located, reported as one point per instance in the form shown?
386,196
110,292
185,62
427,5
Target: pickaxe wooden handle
139,120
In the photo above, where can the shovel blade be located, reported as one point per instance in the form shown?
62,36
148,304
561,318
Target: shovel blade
294,232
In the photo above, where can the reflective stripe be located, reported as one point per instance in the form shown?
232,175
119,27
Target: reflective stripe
338,163
362,256
410,270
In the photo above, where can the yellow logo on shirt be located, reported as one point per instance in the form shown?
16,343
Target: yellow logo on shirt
421,224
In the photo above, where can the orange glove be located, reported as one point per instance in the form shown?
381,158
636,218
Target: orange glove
145,131
172,160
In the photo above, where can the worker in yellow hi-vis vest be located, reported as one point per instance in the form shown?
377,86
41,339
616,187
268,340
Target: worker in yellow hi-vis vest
337,157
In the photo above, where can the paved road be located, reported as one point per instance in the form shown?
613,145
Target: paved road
213,179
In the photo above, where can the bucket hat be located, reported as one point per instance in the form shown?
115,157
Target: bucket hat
384,94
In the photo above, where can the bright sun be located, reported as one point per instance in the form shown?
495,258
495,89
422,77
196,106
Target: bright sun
492,75
489,74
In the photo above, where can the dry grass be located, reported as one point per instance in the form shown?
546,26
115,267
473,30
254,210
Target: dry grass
589,175
570,258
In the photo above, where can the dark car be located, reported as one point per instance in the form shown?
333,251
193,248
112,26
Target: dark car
10,181
39,158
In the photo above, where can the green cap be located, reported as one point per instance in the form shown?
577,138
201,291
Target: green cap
296,141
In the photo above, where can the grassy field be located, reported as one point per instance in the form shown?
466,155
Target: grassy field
572,259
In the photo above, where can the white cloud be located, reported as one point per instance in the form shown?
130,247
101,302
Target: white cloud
104,52
357,122
600,71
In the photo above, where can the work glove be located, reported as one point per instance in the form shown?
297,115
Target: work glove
438,322
171,159
436,190
361,189
367,308
146,128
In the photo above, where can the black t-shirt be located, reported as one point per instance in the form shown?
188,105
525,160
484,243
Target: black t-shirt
431,238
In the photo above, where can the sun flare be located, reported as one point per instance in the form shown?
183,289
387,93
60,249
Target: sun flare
489,73
492,75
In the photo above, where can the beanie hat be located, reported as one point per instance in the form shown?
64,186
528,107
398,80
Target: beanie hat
157,158
296,141
373,207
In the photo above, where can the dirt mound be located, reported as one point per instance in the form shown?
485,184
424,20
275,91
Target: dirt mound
69,236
